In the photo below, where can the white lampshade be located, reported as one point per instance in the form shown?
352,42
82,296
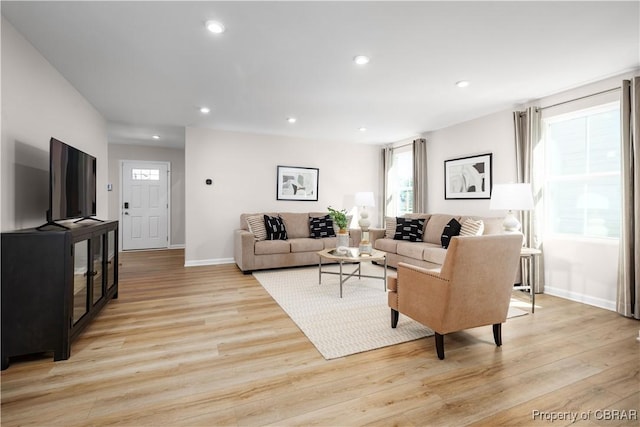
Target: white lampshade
365,199
511,197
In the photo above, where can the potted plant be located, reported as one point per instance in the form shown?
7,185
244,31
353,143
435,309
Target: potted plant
339,218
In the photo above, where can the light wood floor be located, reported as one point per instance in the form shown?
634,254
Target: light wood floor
208,346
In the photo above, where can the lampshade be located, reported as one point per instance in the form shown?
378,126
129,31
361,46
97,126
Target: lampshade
516,197
364,198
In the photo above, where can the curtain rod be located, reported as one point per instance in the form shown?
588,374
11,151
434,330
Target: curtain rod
578,99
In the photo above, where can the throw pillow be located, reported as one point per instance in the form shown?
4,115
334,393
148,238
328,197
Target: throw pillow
256,226
409,229
275,228
472,227
321,227
390,227
450,230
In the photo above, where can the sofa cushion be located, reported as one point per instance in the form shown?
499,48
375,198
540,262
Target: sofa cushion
434,254
435,225
270,247
409,229
386,245
275,228
412,250
256,226
297,224
493,226
472,227
320,227
306,244
450,230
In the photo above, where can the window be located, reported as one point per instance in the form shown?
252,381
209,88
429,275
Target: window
145,174
582,172
400,182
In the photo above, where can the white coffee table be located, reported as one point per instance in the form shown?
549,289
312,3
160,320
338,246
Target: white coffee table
351,256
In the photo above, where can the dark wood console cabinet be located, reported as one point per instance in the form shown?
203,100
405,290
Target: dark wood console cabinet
53,284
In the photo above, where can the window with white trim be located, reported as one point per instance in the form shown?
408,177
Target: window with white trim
582,188
400,182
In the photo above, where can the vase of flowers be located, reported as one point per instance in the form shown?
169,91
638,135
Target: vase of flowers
339,218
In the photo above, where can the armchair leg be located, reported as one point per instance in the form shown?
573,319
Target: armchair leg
440,345
394,318
497,334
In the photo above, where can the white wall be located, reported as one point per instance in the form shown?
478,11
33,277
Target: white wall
580,269
490,134
119,152
38,103
243,169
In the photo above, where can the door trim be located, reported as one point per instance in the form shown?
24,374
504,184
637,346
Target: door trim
121,201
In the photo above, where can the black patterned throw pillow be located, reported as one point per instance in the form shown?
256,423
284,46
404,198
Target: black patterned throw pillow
450,230
275,228
321,227
409,229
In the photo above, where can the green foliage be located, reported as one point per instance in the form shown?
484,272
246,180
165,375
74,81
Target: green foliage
339,217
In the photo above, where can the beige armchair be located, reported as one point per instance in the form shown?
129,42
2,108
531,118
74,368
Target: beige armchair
473,287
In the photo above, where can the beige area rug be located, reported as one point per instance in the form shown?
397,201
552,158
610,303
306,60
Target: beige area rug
337,327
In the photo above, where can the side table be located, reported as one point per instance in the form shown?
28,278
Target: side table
530,255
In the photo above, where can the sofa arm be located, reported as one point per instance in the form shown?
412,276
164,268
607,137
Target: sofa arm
374,233
423,295
244,254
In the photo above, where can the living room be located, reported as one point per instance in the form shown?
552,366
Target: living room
39,102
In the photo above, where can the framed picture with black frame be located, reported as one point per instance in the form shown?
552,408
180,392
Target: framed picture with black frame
468,177
297,183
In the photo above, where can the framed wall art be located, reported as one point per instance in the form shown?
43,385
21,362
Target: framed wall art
468,177
297,183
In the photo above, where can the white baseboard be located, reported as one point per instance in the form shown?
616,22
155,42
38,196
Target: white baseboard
578,297
178,246
217,261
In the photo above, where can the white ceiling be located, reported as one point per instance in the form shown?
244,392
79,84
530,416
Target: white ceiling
149,66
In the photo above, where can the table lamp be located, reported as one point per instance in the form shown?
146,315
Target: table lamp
511,197
364,200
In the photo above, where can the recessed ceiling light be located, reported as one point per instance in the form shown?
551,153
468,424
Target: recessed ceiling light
291,119
204,110
362,129
215,27
361,59
156,137
462,83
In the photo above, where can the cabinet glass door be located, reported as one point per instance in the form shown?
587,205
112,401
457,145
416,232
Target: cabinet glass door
80,279
111,258
97,252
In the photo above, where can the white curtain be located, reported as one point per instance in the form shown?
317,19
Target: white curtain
628,301
387,163
420,175
527,127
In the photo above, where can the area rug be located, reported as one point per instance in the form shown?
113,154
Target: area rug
337,327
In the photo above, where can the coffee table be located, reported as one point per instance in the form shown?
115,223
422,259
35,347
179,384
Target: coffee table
351,256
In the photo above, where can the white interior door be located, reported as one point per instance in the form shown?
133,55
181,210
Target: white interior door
145,205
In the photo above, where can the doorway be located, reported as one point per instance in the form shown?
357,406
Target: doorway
144,205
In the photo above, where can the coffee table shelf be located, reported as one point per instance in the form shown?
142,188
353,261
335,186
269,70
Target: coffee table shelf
351,256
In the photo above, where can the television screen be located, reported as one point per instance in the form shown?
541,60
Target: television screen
72,182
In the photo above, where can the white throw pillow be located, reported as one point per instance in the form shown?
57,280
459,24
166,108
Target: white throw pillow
256,226
471,227
390,227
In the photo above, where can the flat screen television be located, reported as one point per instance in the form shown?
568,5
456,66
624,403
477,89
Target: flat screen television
72,183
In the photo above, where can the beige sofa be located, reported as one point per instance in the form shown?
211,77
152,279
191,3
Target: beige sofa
429,253
299,249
